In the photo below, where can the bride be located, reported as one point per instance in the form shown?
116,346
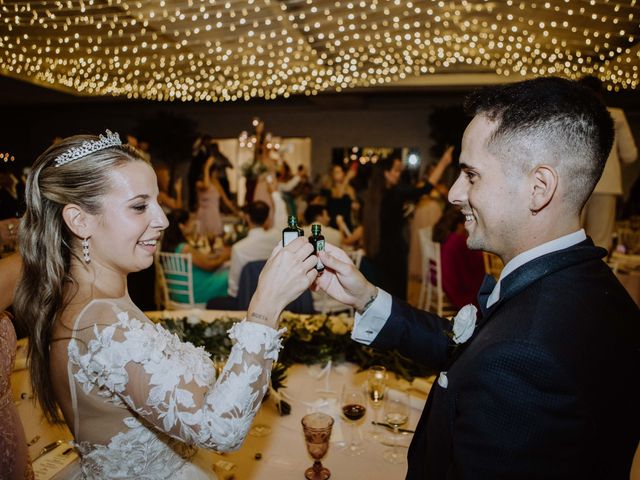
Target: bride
137,400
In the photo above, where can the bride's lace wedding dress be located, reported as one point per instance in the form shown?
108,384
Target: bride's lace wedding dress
143,400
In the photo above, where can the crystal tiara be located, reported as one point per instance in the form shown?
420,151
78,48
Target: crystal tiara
90,146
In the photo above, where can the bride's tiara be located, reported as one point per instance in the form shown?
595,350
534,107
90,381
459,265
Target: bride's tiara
90,146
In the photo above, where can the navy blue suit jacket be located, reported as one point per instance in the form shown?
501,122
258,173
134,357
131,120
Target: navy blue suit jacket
546,388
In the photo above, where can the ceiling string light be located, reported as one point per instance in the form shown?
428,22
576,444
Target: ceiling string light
225,50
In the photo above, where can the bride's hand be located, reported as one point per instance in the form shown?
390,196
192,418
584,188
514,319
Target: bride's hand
287,274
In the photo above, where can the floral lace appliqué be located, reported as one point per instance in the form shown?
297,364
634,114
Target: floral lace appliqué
182,403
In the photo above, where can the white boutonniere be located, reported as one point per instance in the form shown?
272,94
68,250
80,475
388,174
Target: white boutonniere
464,323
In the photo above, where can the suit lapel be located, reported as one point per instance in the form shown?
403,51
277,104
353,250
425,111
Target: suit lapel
522,277
540,267
488,284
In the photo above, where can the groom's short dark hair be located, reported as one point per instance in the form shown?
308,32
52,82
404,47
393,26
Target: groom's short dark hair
548,120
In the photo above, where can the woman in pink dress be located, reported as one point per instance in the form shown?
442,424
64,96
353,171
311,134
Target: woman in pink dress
14,458
209,193
462,268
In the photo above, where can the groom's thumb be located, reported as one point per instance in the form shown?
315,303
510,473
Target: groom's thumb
332,262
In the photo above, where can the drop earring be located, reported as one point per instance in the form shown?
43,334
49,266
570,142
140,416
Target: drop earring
85,250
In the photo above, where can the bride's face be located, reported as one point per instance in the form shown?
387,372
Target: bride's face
128,229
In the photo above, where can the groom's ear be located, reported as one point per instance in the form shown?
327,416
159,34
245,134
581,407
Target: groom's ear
544,184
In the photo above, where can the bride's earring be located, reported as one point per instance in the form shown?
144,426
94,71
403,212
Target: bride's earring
85,250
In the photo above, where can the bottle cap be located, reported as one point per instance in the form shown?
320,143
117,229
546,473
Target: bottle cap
316,228
293,221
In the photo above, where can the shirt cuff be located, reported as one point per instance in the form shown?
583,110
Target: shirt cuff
367,326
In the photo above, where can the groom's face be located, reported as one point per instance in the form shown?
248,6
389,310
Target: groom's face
493,202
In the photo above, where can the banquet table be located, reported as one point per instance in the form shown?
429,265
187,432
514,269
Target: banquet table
282,453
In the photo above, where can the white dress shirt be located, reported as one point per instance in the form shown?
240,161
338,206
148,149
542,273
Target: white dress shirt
257,245
367,326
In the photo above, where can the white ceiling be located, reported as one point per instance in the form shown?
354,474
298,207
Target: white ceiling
217,50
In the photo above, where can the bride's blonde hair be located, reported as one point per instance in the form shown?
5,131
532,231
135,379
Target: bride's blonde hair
47,244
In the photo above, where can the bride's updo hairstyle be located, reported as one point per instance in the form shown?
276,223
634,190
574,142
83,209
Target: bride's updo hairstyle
75,170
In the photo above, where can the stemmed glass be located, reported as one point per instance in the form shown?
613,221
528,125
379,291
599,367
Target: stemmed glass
396,414
353,408
317,431
376,386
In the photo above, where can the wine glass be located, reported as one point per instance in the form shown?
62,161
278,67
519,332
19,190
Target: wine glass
317,431
396,414
353,408
376,387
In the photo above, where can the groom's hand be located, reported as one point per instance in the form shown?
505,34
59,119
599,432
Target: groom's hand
343,281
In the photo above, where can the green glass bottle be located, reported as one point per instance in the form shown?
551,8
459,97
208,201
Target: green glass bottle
317,240
291,232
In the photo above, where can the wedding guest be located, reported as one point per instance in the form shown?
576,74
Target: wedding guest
462,269
220,166
209,278
426,214
545,385
340,194
199,155
272,189
14,457
9,203
599,214
166,201
266,188
320,215
350,238
137,400
384,220
257,245
209,193
10,267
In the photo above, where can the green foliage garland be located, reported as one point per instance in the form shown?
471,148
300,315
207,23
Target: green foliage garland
309,339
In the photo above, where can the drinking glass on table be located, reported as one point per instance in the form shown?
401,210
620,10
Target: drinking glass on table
354,407
375,386
396,414
317,431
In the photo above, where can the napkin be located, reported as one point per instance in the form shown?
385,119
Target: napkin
416,400
54,462
422,384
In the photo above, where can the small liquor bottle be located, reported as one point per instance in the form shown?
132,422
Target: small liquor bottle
317,240
291,232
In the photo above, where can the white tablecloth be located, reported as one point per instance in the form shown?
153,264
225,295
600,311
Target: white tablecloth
283,452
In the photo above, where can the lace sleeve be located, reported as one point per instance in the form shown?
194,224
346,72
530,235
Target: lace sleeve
172,384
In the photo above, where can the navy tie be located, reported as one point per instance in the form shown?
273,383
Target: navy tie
488,284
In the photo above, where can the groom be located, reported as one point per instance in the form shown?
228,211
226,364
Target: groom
548,384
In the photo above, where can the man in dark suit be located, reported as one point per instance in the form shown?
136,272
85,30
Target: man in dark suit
547,385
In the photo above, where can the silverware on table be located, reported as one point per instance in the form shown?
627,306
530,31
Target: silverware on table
48,448
386,425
